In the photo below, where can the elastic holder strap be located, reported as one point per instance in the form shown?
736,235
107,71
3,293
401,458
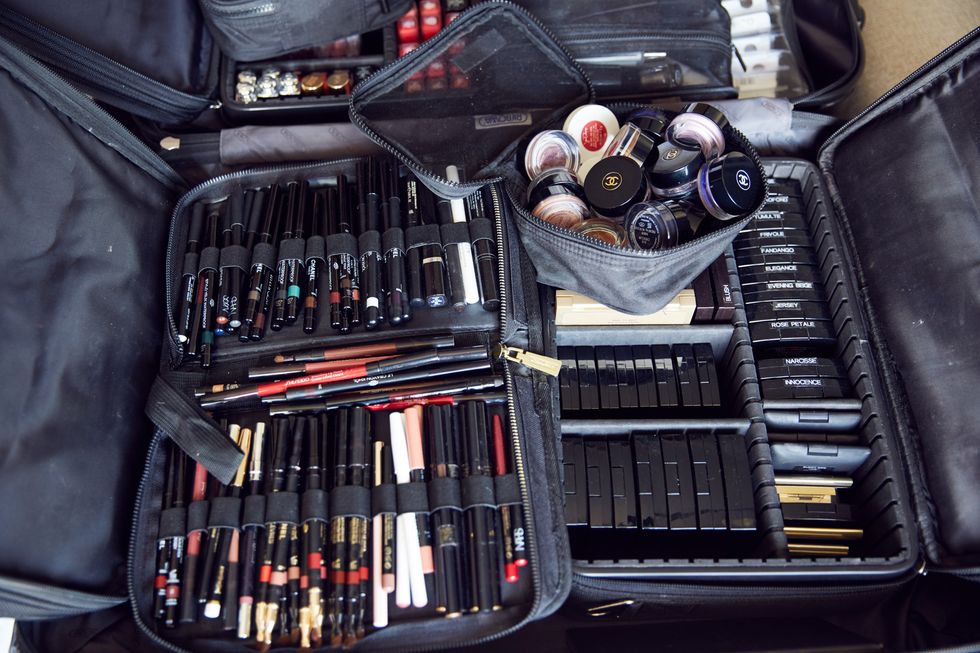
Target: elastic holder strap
191,260
369,243
173,523
226,512
282,507
341,244
314,506
455,232
316,248
422,235
393,240
507,490
412,497
292,249
234,256
254,512
264,254
210,258
350,501
478,491
197,516
444,492
481,229
384,499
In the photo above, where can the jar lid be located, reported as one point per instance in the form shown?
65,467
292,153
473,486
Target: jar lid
551,149
592,126
730,186
613,184
677,164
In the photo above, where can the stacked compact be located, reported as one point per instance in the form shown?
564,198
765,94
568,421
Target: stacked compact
653,183
811,409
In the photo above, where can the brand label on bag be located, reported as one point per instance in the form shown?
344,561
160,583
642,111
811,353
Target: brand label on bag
495,120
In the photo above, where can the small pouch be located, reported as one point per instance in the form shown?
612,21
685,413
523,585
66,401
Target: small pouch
259,29
429,128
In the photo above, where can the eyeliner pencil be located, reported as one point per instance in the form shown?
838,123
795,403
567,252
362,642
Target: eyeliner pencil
258,298
413,218
207,292
228,595
338,532
188,597
240,206
295,267
256,213
164,545
231,214
176,547
484,251
394,346
185,313
290,208
443,463
471,290
399,304
250,537
311,622
315,277
350,284
369,210
379,596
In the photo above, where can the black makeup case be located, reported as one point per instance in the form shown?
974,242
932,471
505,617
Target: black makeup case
187,70
84,468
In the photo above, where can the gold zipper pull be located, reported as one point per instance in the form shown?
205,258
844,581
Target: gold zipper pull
546,364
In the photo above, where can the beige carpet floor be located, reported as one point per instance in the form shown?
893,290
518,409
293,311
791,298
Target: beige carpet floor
901,35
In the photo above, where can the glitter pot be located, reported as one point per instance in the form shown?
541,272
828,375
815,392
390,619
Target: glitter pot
674,174
657,225
730,186
603,230
551,149
700,124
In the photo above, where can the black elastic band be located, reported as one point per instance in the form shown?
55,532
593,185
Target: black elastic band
384,499
264,253
481,229
292,249
478,491
412,497
369,242
191,260
455,232
254,512
393,239
316,247
210,258
341,244
282,507
507,490
234,256
350,501
422,235
315,506
173,523
445,492
197,516
226,512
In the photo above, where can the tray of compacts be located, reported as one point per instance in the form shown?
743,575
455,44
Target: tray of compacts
752,444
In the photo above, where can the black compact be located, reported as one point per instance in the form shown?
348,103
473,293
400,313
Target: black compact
614,184
657,225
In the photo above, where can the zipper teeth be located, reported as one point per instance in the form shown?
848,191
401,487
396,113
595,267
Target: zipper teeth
239,12
89,63
666,35
148,160
176,351
431,44
897,88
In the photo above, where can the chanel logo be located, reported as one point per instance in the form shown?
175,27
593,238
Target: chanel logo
612,181
671,154
743,180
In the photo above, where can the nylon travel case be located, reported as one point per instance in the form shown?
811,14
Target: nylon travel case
759,462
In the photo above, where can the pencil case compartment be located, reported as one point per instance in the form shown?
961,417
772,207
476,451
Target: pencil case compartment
424,130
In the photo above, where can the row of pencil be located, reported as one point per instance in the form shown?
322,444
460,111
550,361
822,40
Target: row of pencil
265,258
309,581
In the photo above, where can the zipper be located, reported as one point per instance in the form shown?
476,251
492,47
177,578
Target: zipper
239,12
705,38
124,141
155,99
406,60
